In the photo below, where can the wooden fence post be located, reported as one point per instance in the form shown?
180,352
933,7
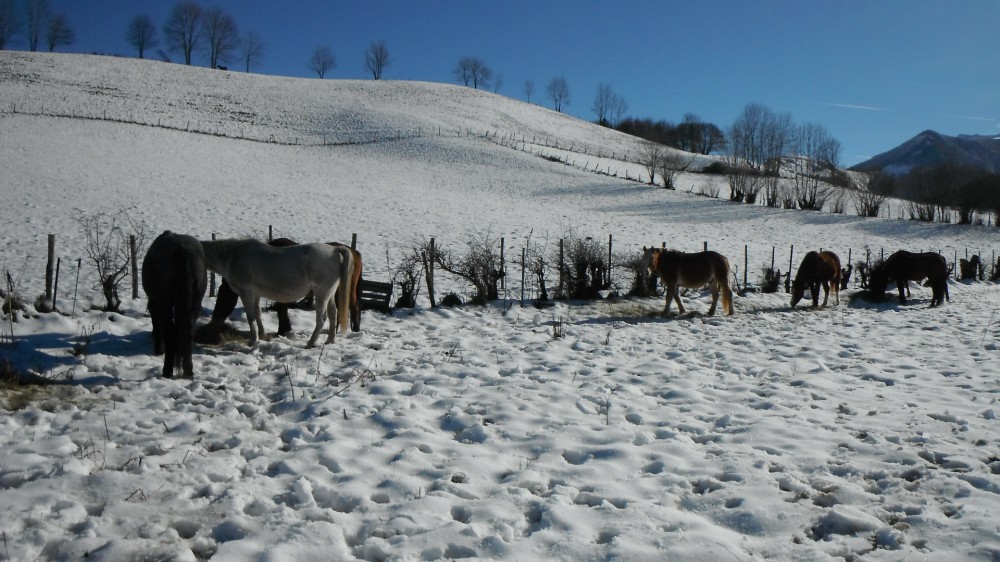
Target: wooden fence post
211,278
135,266
354,241
608,280
746,264
270,233
48,267
524,252
788,274
503,269
55,287
562,256
430,274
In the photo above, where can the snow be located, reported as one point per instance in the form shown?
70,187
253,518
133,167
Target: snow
579,432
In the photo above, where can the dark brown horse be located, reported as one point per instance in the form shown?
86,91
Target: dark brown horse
679,269
225,302
817,268
906,266
173,278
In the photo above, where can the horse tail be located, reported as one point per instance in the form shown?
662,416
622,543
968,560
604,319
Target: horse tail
343,295
182,293
727,292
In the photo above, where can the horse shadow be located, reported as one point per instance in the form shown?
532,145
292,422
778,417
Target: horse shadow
51,353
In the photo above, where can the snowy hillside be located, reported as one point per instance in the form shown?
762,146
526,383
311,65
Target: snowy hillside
586,431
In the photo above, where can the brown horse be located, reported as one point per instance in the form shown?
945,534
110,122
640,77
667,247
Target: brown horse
817,268
906,266
694,270
225,302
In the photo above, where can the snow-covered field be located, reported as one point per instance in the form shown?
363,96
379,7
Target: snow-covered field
586,431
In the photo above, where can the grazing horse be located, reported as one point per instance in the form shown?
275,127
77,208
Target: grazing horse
173,277
225,302
680,269
817,268
254,269
906,266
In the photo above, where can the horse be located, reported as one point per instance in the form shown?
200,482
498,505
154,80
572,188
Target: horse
680,269
285,274
817,268
173,278
225,302
906,266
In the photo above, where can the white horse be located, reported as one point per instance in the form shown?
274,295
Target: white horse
254,270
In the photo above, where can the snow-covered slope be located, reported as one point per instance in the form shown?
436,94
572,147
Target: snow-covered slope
578,432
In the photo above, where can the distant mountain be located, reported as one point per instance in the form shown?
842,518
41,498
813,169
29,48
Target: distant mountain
930,149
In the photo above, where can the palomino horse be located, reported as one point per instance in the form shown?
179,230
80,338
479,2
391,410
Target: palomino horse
173,277
906,266
817,268
225,302
680,269
254,270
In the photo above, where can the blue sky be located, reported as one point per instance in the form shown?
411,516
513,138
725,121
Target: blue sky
874,73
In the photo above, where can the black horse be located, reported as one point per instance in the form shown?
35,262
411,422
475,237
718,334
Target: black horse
226,300
173,277
906,266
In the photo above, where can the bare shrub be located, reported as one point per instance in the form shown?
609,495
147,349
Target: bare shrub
408,273
107,247
671,165
770,279
480,266
584,268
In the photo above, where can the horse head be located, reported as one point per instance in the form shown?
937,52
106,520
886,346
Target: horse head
650,257
798,290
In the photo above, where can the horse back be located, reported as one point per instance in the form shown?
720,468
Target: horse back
693,269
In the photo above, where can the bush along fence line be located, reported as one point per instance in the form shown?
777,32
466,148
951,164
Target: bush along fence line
573,268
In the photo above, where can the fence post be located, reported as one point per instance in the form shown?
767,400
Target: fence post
524,252
270,233
746,264
55,288
211,278
135,266
562,256
430,274
503,268
48,267
79,265
608,280
788,274
354,240
705,244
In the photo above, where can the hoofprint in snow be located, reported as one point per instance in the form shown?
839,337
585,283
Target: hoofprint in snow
582,431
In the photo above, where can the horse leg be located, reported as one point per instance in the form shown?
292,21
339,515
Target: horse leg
901,285
814,293
671,291
331,312
715,298
320,306
826,293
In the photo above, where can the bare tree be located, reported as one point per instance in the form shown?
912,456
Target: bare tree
652,153
497,83
602,103
377,59
37,14
816,153
222,36
322,61
528,89
59,32
558,91
182,31
618,108
141,34
472,71
252,50
870,192
10,22
671,164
